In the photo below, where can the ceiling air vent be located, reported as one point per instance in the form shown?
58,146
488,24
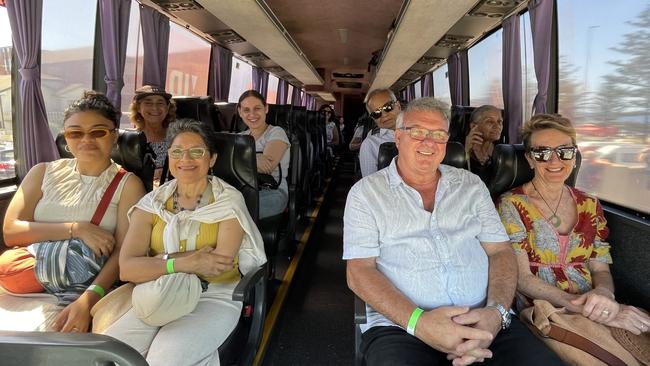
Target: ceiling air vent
255,57
494,8
349,84
430,60
453,41
347,75
227,37
178,5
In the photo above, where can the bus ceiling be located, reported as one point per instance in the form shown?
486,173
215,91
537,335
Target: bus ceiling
342,46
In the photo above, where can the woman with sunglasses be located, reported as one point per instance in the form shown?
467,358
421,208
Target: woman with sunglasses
56,202
152,110
272,146
559,233
189,229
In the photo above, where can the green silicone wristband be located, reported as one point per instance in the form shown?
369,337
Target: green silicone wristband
170,266
97,289
413,321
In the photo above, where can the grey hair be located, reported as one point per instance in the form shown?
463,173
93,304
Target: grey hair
479,112
185,125
374,92
427,104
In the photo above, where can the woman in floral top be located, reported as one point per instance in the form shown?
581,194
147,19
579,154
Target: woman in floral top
560,233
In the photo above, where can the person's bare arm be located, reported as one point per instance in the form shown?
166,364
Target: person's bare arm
270,158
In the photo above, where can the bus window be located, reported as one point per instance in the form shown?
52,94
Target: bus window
67,55
289,93
7,162
528,79
241,79
188,63
485,71
272,90
418,89
133,65
441,84
603,90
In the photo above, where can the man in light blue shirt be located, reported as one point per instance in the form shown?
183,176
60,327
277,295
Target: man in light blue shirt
427,252
383,107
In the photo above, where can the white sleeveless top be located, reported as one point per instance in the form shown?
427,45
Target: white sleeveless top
70,196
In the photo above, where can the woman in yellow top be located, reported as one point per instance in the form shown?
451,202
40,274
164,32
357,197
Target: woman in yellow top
194,224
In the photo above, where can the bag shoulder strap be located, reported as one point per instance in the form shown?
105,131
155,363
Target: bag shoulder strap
573,339
107,197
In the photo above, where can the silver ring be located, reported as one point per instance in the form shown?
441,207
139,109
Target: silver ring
643,327
605,312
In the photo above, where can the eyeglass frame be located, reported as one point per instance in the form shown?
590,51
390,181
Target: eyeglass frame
559,152
387,107
428,135
173,153
106,132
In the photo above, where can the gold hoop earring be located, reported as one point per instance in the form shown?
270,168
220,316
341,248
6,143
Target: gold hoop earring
66,148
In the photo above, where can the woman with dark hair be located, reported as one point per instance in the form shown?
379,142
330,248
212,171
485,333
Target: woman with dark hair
152,110
187,243
272,146
54,215
327,113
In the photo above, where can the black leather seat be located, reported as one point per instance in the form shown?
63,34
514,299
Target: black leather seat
510,169
454,156
131,152
198,108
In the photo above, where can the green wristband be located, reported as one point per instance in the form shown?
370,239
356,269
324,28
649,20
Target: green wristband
97,289
413,321
170,266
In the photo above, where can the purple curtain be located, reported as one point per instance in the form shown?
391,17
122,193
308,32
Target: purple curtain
296,97
283,91
220,73
114,21
458,75
541,22
411,92
155,39
311,102
305,99
35,137
511,71
427,85
260,80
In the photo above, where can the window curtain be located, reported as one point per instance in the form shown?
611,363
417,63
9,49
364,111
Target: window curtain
283,91
220,73
458,76
541,22
427,85
411,91
114,22
260,80
37,144
511,72
296,97
155,39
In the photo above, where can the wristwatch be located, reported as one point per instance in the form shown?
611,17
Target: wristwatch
505,315
165,256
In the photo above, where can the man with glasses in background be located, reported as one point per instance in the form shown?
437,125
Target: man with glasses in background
427,252
383,107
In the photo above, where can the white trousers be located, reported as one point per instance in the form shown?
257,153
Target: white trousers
191,340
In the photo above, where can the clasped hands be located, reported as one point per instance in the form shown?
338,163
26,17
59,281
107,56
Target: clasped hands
600,306
463,334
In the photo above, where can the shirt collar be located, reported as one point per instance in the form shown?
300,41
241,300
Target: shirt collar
448,175
385,131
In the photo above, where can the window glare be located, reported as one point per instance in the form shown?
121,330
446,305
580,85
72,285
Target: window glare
133,65
7,160
272,90
485,71
241,79
188,62
441,84
603,89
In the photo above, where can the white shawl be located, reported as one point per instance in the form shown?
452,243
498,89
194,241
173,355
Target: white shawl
184,225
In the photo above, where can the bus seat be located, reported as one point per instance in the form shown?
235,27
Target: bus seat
454,155
198,108
510,169
131,152
226,113
71,349
359,318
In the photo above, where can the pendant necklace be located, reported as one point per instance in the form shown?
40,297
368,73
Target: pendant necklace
554,219
177,208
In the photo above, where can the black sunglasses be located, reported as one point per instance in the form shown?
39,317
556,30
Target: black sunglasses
544,153
388,107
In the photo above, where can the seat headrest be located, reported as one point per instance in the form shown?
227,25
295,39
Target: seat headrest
237,165
510,169
454,155
131,152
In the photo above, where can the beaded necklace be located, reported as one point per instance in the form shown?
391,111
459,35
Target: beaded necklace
177,208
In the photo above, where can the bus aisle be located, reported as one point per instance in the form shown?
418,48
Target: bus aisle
315,325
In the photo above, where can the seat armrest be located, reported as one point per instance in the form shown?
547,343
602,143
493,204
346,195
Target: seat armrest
359,311
54,348
250,280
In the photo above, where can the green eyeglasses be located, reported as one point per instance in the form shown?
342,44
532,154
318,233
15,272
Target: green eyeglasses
193,152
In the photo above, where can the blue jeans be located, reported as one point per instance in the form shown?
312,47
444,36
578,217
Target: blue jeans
272,202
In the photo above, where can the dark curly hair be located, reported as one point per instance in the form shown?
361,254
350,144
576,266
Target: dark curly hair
93,101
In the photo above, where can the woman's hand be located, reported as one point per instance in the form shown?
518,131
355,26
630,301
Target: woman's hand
598,305
99,240
204,262
632,319
73,318
474,137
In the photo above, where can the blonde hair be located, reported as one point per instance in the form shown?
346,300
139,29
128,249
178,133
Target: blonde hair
137,119
547,121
